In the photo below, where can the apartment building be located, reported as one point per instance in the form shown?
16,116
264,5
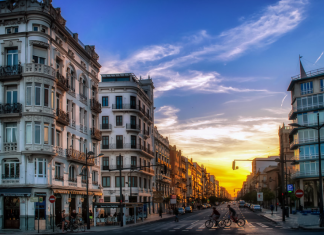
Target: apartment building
127,126
48,115
162,180
307,102
175,160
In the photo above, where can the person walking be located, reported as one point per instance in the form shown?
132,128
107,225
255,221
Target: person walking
160,211
271,208
176,212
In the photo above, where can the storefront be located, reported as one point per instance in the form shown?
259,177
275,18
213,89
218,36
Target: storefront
12,218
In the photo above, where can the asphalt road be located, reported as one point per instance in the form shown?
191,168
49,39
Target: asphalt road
194,223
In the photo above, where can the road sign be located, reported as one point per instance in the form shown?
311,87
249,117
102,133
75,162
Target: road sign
52,199
33,199
299,193
290,188
260,197
40,199
173,199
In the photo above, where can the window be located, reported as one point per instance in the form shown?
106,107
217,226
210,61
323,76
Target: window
133,102
11,169
36,28
28,93
105,122
105,101
11,30
322,85
145,186
46,133
52,137
119,120
120,79
84,175
133,161
106,182
37,132
119,102
94,177
11,132
119,141
132,181
71,173
140,181
58,139
105,163
40,167
46,95
140,124
306,88
37,94
105,142
106,198
29,133
119,161
133,141
38,59
57,171
11,95
117,183
12,57
133,122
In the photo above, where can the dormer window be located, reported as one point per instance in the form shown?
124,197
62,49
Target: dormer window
10,30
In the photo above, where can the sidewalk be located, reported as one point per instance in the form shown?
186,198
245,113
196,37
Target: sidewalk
294,221
152,218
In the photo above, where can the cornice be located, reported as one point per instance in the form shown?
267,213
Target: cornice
38,114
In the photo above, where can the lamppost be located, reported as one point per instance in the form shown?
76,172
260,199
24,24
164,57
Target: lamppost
88,154
318,128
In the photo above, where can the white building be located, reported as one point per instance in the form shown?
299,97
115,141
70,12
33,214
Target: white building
48,115
127,125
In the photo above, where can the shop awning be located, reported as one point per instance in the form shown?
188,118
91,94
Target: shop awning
15,192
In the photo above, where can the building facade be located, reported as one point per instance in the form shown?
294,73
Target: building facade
307,102
48,115
127,126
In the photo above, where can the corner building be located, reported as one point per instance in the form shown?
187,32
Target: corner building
48,116
126,123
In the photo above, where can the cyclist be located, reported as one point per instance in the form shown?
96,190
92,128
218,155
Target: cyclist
73,216
215,215
232,213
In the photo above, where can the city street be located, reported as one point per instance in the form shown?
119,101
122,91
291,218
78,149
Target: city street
194,223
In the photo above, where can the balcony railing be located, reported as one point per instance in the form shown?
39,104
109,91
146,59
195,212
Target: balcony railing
75,180
62,82
310,173
10,147
95,182
309,74
83,98
60,151
62,117
125,106
58,177
147,169
302,108
8,176
130,126
10,108
10,72
95,106
127,146
105,168
39,68
307,157
105,126
304,141
84,181
77,156
95,134
146,132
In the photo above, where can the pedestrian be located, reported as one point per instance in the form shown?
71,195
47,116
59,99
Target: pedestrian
271,208
160,212
176,212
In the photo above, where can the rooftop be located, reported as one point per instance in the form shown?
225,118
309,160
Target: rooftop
308,75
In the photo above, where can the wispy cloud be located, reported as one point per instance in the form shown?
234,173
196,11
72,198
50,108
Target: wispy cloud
283,100
319,57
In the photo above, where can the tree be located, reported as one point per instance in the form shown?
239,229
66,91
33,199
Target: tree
213,200
268,195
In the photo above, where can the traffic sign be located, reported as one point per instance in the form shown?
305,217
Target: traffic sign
260,197
40,199
52,199
290,188
299,193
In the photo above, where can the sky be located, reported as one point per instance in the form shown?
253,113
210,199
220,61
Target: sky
220,68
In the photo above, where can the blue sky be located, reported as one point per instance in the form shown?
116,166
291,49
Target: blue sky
220,68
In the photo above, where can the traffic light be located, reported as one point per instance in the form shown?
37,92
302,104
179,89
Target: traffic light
233,165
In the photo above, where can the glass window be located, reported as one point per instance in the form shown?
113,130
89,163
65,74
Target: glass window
133,141
36,28
106,181
133,161
105,101
117,183
119,161
12,57
46,95
119,120
105,122
119,142
57,170
11,96
37,93
37,132
11,132
119,102
11,169
40,167
105,142
306,88
29,133
46,133
71,172
38,59
105,161
28,93
132,181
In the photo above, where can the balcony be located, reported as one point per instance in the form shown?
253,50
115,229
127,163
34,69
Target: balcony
10,73
184,170
105,168
60,151
61,82
146,133
295,143
125,107
84,181
9,147
146,169
306,174
95,134
10,110
74,180
36,69
62,117
95,182
105,127
304,108
184,180
83,99
128,146
59,178
95,106
8,176
133,127
79,157
307,157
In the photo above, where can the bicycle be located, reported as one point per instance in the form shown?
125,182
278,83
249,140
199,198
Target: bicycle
212,223
58,227
228,222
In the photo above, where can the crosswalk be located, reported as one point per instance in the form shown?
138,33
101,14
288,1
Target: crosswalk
199,225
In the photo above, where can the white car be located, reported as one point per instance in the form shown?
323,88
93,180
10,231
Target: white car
256,208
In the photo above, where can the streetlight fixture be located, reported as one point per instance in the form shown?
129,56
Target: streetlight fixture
88,154
318,128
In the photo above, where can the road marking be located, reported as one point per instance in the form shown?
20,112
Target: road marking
269,228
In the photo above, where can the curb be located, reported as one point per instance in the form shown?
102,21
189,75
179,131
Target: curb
276,222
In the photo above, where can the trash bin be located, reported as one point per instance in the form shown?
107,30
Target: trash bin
287,211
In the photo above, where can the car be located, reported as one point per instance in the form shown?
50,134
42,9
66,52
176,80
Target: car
188,209
208,205
204,206
241,203
256,208
181,210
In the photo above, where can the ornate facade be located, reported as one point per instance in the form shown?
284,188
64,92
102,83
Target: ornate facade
48,115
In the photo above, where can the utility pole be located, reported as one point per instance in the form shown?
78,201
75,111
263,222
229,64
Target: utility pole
283,187
120,193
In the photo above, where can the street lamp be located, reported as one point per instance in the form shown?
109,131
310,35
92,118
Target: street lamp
88,154
318,128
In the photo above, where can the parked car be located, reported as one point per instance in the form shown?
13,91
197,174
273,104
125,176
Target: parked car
188,209
208,205
241,203
204,206
256,208
181,210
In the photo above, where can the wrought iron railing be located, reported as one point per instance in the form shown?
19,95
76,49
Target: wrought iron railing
105,167
127,146
8,176
95,105
105,126
95,133
58,177
95,182
131,126
78,156
10,108
75,180
125,106
62,81
10,70
63,116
